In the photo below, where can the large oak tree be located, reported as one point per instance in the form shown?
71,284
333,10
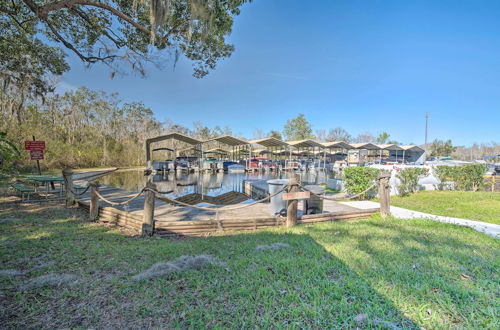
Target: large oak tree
116,31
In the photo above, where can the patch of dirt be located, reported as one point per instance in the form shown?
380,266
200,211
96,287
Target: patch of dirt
50,280
272,247
7,273
178,265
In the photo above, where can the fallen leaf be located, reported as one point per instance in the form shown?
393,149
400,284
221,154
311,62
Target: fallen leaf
435,290
269,269
465,277
298,252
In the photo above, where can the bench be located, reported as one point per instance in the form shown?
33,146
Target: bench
23,189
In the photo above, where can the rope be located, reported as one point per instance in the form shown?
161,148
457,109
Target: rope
99,174
333,198
78,193
221,209
66,184
120,203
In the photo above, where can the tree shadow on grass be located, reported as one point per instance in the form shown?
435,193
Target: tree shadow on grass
449,271
300,286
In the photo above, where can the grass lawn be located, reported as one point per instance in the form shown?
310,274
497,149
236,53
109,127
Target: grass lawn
401,274
479,205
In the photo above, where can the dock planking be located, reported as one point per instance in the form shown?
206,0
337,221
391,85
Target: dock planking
174,220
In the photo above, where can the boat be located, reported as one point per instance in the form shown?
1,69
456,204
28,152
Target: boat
226,165
236,168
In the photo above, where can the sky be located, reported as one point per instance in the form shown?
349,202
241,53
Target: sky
366,66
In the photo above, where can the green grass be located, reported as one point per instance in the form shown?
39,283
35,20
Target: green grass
478,205
412,274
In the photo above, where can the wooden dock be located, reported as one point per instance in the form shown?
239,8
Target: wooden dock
171,220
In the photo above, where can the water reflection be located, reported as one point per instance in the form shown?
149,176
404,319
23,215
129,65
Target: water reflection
210,184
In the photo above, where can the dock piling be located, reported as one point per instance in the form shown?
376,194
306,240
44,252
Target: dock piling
94,201
149,210
384,194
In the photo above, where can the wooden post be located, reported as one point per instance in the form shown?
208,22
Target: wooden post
291,212
149,210
68,186
384,190
94,201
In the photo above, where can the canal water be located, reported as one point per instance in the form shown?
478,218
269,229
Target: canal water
212,184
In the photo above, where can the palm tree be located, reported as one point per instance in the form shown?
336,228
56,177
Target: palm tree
7,149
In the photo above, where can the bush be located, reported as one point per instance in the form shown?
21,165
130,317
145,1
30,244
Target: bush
470,177
465,177
358,179
409,180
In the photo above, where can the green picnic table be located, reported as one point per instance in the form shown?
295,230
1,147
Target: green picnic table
47,180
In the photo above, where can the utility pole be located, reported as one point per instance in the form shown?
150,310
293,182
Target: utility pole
426,125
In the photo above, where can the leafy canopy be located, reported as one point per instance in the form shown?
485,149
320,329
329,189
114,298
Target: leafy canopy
298,129
442,148
115,31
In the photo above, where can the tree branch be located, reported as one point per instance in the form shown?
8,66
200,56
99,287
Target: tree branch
90,59
45,10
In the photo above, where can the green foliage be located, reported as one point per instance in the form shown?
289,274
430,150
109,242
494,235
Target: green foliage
275,134
8,152
442,148
470,177
117,32
409,180
382,137
298,128
358,179
444,173
465,177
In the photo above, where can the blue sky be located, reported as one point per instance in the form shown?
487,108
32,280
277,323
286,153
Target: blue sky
367,66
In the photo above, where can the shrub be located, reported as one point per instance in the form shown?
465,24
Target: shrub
409,180
465,177
358,179
470,177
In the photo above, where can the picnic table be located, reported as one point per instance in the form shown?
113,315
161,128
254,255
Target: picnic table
47,180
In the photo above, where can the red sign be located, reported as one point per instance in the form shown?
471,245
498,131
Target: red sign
36,154
34,145
296,195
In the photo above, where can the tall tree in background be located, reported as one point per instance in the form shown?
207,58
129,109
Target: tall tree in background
321,135
364,138
298,128
338,134
382,138
275,134
115,31
442,148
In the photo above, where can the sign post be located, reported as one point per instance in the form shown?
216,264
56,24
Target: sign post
36,149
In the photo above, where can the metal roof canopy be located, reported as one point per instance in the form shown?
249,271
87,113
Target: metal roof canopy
217,151
305,144
390,147
229,140
337,144
270,142
412,147
366,146
175,136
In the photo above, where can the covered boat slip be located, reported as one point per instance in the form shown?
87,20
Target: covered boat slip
182,152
